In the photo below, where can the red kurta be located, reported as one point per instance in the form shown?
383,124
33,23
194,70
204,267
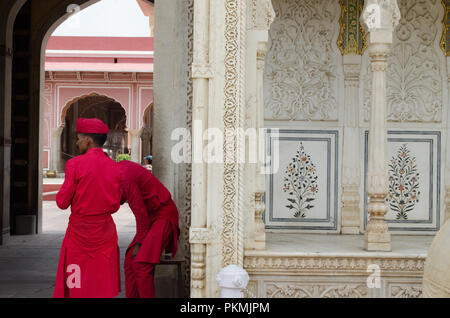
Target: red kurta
92,188
149,200
156,226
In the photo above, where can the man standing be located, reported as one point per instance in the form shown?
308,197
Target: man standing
89,260
156,227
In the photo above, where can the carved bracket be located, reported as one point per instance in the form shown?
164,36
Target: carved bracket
200,235
202,71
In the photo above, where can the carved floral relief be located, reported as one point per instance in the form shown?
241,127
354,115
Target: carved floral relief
300,74
414,79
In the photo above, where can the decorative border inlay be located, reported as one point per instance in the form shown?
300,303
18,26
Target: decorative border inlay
259,264
230,118
352,38
445,40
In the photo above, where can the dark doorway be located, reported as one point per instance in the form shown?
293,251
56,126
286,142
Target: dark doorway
103,108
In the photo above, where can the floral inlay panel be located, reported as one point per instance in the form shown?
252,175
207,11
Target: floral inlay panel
403,183
301,183
415,181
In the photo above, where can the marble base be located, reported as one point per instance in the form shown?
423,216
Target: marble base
308,265
350,230
377,242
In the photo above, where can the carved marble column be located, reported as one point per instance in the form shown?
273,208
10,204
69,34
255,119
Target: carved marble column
260,15
260,232
447,162
350,222
135,145
201,73
381,17
56,148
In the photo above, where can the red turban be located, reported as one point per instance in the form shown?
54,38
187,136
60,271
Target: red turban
91,126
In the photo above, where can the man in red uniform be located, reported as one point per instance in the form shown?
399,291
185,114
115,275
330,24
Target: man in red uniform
89,260
156,227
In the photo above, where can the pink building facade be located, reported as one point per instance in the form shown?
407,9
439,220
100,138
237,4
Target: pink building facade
115,70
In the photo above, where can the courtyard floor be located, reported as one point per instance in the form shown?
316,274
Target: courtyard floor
28,263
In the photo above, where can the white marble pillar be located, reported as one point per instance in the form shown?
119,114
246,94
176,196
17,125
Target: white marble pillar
260,16
260,232
350,222
56,148
135,135
198,236
447,162
381,17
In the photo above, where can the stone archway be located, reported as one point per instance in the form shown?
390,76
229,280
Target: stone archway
43,20
93,106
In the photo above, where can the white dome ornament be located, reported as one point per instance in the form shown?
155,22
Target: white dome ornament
232,280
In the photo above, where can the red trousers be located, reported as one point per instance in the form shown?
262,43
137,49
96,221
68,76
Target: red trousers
139,271
139,278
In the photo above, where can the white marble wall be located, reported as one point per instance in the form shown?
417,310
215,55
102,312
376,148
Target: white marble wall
304,89
301,74
416,72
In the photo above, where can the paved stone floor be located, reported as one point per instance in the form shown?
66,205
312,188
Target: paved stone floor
28,263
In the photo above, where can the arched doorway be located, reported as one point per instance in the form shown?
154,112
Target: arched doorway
147,132
42,21
94,106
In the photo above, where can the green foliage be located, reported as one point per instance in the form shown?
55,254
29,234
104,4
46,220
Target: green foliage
123,156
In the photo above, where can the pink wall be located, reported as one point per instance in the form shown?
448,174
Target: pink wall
119,68
100,43
134,97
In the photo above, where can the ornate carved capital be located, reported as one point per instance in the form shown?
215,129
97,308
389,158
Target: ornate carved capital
351,74
200,236
260,56
381,15
202,70
261,15
352,71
